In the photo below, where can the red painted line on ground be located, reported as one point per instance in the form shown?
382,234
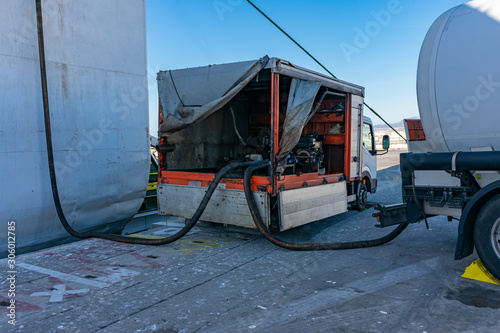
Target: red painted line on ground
20,306
150,262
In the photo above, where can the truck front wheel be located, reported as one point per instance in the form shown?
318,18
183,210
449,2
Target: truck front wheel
487,235
361,196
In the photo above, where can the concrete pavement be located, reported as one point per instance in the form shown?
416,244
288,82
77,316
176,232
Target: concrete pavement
215,280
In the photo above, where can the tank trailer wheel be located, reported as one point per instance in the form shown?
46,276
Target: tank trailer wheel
487,235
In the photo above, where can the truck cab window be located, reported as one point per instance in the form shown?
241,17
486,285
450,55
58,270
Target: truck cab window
368,137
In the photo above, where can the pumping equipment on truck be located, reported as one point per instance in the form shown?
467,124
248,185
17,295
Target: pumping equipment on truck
310,127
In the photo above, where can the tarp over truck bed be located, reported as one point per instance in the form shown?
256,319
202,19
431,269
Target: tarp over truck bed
188,96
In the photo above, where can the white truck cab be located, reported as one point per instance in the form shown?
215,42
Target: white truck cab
368,182
369,168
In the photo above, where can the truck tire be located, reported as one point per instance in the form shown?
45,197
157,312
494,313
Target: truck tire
487,235
361,196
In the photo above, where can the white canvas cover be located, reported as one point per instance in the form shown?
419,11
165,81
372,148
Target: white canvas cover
188,96
298,112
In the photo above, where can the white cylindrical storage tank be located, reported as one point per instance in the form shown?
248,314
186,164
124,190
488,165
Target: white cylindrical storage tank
96,73
458,80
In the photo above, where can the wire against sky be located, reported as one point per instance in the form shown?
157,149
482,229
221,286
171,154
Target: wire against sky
318,62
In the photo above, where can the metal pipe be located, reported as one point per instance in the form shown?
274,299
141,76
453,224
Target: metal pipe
236,128
322,97
458,161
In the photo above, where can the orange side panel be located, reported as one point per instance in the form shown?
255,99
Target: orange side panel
334,139
257,183
275,102
310,179
336,117
348,122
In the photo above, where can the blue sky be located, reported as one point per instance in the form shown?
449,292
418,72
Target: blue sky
382,57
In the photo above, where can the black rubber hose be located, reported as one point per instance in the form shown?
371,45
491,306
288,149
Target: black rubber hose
306,246
53,180
135,240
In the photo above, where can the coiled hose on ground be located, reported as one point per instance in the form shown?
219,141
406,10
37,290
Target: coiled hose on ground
252,167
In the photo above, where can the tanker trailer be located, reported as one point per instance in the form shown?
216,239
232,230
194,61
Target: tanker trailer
96,77
453,164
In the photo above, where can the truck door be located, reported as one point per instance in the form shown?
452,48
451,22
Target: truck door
369,157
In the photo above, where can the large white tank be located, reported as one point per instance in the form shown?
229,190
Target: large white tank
96,72
458,81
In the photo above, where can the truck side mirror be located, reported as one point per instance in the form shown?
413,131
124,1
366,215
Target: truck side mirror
386,142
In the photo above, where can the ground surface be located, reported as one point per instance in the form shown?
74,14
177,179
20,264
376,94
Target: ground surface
215,280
